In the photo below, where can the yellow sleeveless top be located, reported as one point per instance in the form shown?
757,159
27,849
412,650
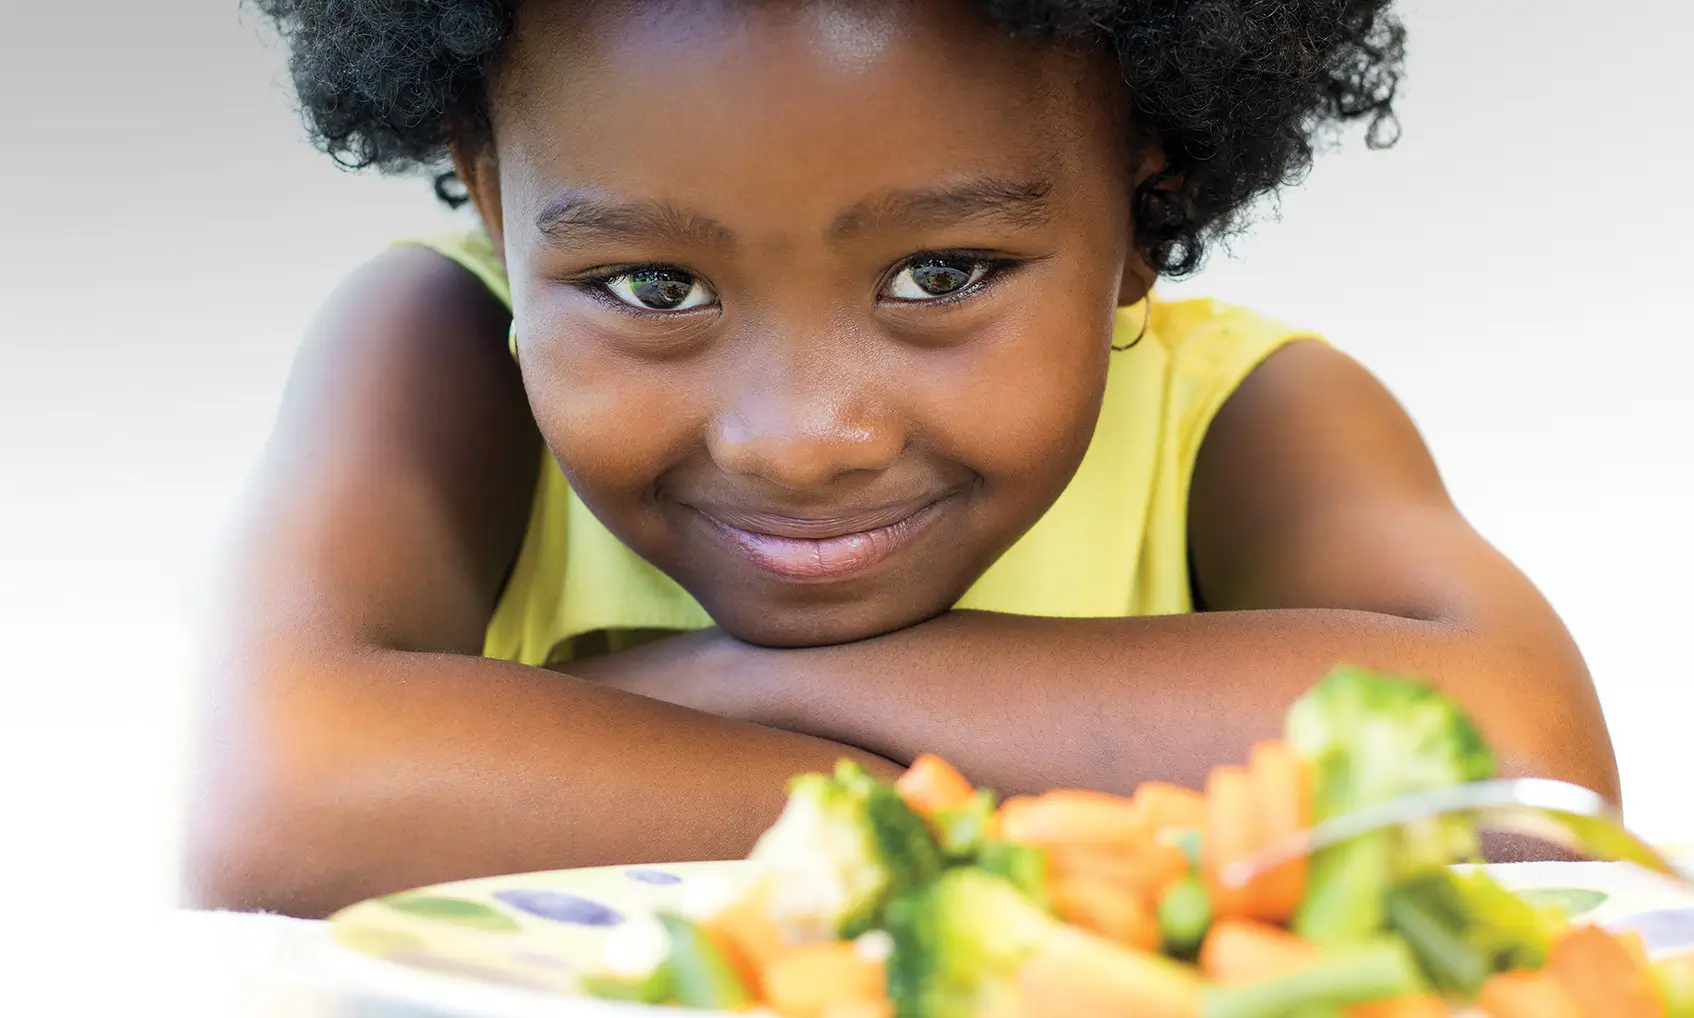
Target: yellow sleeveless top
1115,543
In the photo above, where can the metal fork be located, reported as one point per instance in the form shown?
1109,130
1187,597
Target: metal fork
1566,815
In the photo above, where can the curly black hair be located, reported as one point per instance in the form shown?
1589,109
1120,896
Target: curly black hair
1238,92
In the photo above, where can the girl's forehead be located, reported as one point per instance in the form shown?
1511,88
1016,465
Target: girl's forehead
849,32
562,41
830,91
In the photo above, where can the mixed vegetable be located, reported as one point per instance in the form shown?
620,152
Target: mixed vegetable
929,898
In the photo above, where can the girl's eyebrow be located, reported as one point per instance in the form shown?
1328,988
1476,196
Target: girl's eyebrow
580,216
1020,204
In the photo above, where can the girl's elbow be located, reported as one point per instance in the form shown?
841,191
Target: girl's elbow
255,852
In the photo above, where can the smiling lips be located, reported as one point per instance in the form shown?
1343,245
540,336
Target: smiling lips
821,550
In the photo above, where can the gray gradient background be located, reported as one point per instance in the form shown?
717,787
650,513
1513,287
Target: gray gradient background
1517,270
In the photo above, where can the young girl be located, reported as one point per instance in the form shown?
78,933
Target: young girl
803,396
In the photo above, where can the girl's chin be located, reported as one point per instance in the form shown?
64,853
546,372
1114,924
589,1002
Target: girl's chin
819,625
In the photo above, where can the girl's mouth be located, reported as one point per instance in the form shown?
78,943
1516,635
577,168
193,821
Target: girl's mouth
787,551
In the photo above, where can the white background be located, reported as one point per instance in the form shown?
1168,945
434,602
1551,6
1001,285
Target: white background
1517,270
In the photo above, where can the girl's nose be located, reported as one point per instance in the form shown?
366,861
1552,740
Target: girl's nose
805,423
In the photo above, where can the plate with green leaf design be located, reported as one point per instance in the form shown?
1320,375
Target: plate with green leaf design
508,945
518,945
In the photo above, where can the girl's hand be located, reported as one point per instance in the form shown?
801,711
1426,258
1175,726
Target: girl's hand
703,670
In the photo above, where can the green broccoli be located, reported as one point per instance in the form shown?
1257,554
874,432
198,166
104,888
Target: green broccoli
1380,968
1465,927
844,846
964,838
963,832
1372,737
961,942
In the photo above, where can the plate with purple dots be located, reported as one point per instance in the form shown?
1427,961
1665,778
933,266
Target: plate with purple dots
514,945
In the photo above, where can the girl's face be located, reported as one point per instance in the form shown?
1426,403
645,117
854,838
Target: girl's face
814,300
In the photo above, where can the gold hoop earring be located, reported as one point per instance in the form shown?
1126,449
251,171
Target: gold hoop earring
1146,320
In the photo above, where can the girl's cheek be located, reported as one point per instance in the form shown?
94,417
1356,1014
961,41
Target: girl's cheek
1022,403
615,424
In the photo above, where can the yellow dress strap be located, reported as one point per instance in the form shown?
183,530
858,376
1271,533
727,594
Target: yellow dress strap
1115,543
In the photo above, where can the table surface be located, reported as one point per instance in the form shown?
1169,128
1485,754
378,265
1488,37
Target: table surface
265,966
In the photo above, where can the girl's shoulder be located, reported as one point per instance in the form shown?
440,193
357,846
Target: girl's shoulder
1195,353
472,250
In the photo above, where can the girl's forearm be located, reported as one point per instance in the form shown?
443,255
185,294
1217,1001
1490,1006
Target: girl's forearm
1026,704
388,770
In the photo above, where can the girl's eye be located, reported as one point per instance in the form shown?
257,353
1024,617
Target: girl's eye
660,288
935,276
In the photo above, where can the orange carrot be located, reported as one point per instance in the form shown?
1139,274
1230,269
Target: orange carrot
1148,869
1113,911
1241,951
806,981
1604,974
1097,978
1165,806
1161,865
745,934
1072,817
1231,835
931,785
1282,801
1423,1006
1633,943
1530,995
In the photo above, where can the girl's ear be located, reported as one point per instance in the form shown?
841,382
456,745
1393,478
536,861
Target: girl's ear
1138,279
481,177
1138,276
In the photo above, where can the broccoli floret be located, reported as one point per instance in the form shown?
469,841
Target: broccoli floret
961,943
1369,738
963,832
844,846
1024,866
1465,927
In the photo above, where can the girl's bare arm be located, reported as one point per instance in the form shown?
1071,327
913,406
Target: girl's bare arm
352,742
1321,533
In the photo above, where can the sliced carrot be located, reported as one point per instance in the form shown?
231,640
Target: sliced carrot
1604,974
1161,865
1148,869
747,936
806,981
1241,951
1422,1006
1098,978
1633,943
1072,817
1111,910
1165,806
1231,835
1282,804
1530,995
931,785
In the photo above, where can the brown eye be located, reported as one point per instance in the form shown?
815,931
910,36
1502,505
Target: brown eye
660,288
935,276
